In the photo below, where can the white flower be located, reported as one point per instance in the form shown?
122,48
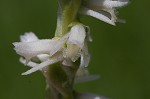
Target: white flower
38,53
75,42
77,45
31,47
103,9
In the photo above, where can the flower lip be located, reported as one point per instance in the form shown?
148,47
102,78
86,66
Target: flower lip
75,42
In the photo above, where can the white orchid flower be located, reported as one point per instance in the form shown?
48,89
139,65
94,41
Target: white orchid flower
76,46
75,42
31,47
67,49
103,10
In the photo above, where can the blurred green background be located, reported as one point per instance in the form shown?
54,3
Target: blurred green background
120,54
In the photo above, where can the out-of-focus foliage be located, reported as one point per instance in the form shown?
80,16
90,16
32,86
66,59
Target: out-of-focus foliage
120,54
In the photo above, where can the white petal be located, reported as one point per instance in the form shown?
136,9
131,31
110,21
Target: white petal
43,64
97,15
59,44
77,35
105,4
111,4
89,96
31,49
30,63
75,42
28,37
43,57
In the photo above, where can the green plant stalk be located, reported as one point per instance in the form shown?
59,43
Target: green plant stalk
67,13
60,78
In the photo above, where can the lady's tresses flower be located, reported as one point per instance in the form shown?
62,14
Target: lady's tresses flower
103,9
76,45
38,53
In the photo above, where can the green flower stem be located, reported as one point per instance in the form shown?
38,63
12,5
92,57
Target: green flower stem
60,81
67,13
60,78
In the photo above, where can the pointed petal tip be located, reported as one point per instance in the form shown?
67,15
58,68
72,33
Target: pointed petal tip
15,43
24,74
122,4
112,23
42,65
125,3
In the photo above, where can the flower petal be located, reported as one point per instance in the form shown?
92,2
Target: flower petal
43,57
77,35
28,37
31,49
105,4
75,42
59,44
30,63
97,15
43,64
111,3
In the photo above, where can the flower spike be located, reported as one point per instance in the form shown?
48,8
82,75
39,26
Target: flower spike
63,59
